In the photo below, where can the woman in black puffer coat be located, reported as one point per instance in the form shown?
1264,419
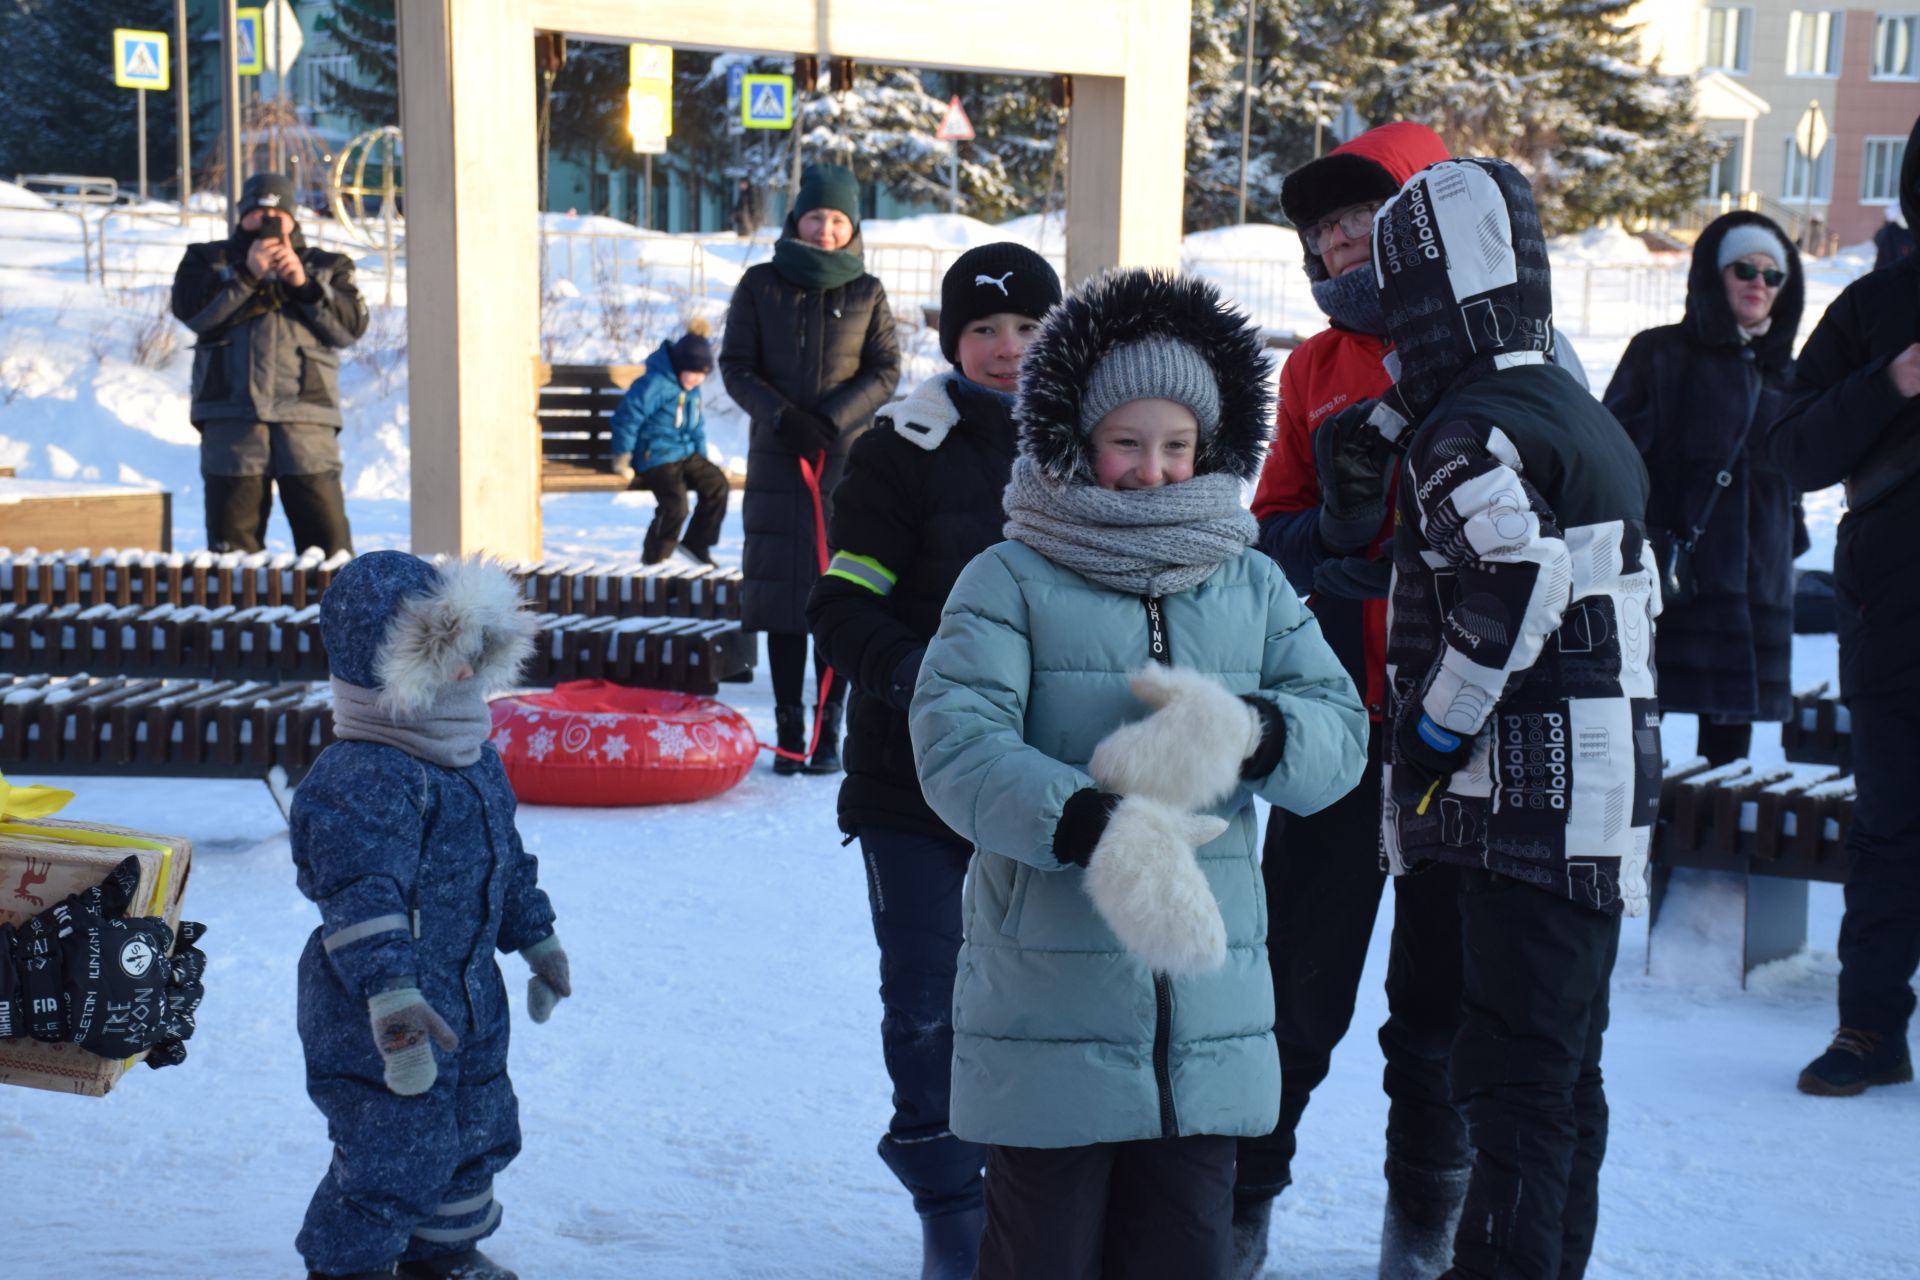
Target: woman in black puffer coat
1693,396
809,352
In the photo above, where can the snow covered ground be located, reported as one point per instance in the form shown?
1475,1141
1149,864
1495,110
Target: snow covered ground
706,1106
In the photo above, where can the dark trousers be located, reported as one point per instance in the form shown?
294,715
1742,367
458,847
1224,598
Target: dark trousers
787,656
238,508
1723,743
1154,1209
913,890
1880,932
669,483
1323,882
1526,1069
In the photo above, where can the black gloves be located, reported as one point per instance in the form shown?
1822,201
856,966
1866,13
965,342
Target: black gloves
79,973
1355,464
1354,578
906,672
1427,753
804,431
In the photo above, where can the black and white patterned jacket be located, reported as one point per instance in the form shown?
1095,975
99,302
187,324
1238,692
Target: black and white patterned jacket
1523,604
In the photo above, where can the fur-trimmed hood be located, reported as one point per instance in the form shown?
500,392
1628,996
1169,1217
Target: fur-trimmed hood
1122,307
395,623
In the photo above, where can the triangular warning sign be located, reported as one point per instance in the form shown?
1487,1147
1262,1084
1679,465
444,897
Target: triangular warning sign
140,61
768,103
954,126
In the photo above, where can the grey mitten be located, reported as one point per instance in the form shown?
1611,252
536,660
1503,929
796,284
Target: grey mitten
403,1023
1146,883
1188,753
552,979
1355,464
623,466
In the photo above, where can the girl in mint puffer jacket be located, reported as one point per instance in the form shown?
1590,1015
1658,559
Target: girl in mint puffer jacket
1107,693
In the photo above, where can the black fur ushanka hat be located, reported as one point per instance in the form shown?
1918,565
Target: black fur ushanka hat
1126,306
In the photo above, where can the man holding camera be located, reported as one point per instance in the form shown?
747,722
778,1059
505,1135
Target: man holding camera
271,315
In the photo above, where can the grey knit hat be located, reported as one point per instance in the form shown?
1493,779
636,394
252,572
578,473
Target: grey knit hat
1152,369
1750,237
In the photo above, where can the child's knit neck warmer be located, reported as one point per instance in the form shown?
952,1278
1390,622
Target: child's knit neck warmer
1147,542
449,733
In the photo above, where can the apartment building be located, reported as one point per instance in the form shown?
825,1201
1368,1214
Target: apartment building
1761,64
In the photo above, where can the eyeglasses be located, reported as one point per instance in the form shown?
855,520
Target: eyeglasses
1749,271
1353,224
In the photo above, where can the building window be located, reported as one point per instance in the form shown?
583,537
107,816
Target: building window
1794,186
1726,38
311,87
1813,43
1724,178
1880,170
1894,37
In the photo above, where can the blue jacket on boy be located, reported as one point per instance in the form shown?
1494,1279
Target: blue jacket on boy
657,422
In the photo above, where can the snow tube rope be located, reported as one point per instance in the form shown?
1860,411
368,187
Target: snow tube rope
810,473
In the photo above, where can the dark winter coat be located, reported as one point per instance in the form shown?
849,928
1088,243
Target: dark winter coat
1850,424
1522,603
266,352
831,351
1687,393
920,498
658,421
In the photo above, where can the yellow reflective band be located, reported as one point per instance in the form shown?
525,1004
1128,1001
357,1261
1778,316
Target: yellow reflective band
865,570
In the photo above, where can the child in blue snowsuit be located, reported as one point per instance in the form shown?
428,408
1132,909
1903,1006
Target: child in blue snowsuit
404,836
660,444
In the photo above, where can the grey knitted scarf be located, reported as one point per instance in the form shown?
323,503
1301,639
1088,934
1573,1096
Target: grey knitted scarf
1146,542
450,733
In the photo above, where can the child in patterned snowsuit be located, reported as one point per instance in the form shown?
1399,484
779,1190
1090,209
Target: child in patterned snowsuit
404,836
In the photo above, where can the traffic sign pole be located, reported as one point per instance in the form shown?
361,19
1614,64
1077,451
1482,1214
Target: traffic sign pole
185,126
230,105
140,115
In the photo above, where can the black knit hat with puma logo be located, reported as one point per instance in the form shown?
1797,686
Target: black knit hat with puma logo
987,280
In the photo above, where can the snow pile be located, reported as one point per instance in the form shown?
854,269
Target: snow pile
14,196
1608,244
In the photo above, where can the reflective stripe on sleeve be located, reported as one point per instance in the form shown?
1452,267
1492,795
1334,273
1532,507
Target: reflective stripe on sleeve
472,1204
865,570
395,923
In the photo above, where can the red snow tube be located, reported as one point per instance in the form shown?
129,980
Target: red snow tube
591,742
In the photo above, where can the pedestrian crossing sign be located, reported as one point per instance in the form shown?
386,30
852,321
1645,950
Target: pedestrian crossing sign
247,53
766,102
140,59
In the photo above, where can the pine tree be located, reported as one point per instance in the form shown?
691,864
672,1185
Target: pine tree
364,29
1555,86
60,110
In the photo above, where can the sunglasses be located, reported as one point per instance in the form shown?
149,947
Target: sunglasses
1353,223
1748,271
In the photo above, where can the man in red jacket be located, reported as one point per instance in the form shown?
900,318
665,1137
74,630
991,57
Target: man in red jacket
1323,874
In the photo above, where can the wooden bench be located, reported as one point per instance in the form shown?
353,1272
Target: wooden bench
575,415
1819,730
1778,829
125,725
259,579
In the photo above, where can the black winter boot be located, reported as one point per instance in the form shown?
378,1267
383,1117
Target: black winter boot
1855,1061
1252,1217
386,1274
790,725
950,1245
469,1264
1423,1212
826,754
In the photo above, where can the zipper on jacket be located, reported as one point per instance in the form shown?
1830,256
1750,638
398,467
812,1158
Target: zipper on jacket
1159,648
1162,1043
